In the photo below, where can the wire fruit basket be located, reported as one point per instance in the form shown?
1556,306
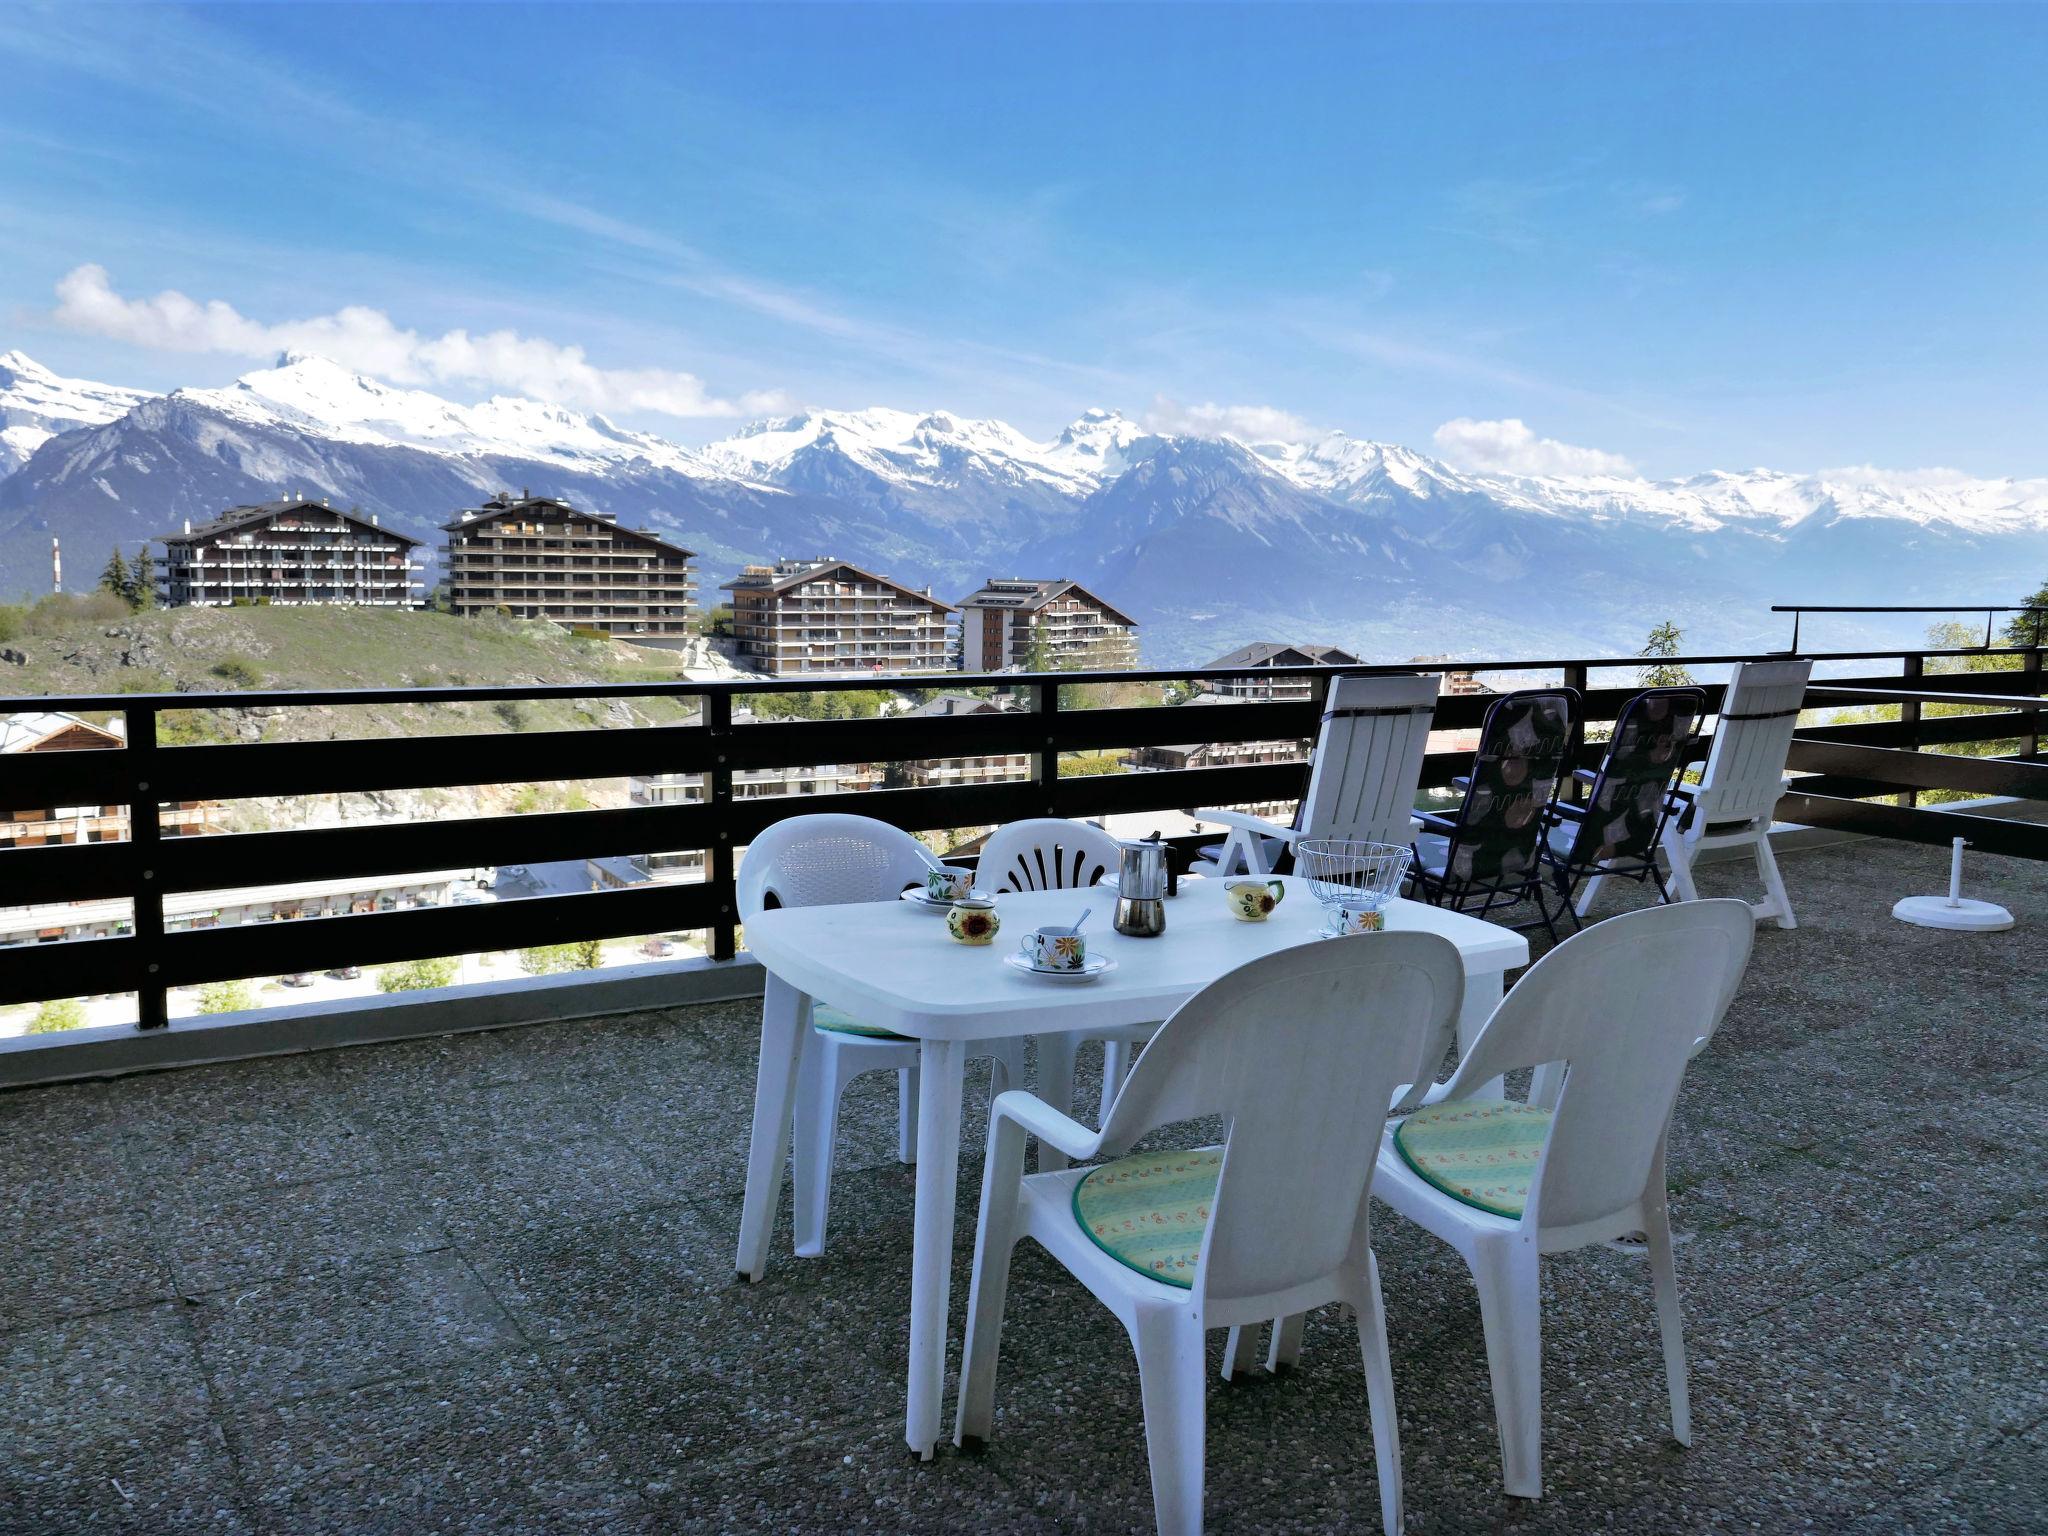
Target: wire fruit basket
1345,872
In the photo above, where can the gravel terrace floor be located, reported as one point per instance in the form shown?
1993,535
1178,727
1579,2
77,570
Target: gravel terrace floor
485,1283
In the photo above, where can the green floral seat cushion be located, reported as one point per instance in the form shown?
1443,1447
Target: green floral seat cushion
1149,1211
824,1016
1482,1154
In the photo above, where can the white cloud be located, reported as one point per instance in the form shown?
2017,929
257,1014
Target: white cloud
1508,447
367,341
1245,423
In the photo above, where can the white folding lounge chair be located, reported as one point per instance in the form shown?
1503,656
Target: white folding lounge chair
1743,780
1362,782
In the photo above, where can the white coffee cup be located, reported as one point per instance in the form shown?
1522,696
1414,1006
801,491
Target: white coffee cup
1055,949
949,883
1358,917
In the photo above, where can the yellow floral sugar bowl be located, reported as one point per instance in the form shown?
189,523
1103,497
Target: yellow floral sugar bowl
973,920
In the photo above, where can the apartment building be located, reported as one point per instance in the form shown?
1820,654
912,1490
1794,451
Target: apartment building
823,616
986,768
747,784
1069,626
291,553
1217,754
539,558
1260,657
40,827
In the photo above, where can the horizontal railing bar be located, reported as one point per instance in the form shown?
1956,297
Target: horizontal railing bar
30,973
198,955
272,698
419,762
1907,608
29,877
2016,699
1895,769
233,860
1080,730
1934,730
1987,834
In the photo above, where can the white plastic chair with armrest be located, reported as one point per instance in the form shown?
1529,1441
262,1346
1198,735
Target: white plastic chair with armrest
1743,781
1299,1052
1362,782
1623,1006
809,861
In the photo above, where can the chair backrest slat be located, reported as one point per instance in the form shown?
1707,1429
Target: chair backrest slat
1046,853
1368,758
1623,1005
1745,772
1300,1052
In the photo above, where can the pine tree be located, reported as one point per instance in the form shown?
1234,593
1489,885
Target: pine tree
115,577
2029,628
142,580
1666,640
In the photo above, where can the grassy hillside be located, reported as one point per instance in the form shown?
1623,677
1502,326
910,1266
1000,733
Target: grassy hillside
92,644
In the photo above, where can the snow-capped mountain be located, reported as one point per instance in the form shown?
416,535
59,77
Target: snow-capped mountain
36,404
1208,541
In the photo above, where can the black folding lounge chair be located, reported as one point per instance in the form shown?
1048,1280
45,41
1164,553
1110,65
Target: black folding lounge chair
1618,828
1490,855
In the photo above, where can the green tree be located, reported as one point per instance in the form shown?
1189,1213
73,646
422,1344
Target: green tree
547,959
116,577
417,975
58,1015
142,580
225,997
1089,765
1666,640
2030,628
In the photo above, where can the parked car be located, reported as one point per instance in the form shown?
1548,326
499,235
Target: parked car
297,979
347,973
659,948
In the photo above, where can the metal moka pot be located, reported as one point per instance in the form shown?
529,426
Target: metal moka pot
1141,890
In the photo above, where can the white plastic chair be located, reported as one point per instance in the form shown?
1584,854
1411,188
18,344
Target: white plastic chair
1049,854
1363,779
810,861
1300,1052
1623,1006
1743,781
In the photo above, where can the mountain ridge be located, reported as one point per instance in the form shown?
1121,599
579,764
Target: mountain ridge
1357,536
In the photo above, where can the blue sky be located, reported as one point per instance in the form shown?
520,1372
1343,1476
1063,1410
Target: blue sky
1678,238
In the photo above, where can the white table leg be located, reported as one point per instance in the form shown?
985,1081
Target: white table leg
1056,1087
1482,995
785,1028
941,1066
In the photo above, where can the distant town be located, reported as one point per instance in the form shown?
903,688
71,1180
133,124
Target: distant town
535,558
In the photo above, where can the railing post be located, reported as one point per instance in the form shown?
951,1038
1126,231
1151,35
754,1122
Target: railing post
2030,744
1045,770
1575,792
145,836
718,721
1909,716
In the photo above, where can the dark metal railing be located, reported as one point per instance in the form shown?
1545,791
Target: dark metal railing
149,773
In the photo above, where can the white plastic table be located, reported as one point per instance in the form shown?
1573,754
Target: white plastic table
892,966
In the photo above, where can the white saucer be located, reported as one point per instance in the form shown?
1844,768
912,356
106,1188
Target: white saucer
1092,967
926,902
